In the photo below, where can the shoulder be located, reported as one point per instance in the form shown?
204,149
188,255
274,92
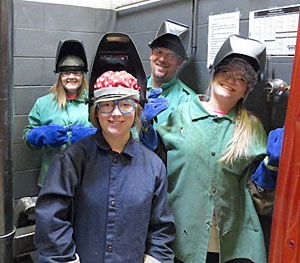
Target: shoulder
184,87
184,107
141,151
44,100
80,149
47,97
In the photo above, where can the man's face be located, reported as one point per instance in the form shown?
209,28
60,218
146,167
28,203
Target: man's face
164,64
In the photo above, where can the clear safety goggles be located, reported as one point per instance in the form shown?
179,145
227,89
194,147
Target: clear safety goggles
171,56
124,106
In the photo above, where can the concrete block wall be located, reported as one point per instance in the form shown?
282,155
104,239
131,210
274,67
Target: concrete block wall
37,29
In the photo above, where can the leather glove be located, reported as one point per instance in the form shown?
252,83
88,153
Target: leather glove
274,146
53,135
149,137
80,131
265,175
153,107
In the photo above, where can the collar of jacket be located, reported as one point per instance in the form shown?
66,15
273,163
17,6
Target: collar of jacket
164,86
129,149
198,112
82,98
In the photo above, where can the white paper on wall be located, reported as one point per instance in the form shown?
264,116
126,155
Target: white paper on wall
276,28
219,28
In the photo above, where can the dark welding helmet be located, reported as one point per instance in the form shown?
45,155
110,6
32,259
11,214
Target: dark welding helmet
70,56
117,52
251,50
172,35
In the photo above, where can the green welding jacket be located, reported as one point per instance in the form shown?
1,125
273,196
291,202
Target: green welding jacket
45,112
176,92
199,184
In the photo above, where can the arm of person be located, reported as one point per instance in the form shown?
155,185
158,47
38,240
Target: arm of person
34,121
263,200
54,213
154,106
161,230
37,135
79,131
265,176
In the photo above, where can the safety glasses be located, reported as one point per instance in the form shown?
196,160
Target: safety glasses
124,106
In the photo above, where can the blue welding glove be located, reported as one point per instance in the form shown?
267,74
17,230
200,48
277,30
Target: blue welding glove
265,175
153,107
274,146
80,131
52,135
149,138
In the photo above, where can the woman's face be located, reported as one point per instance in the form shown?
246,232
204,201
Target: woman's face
71,81
116,124
229,84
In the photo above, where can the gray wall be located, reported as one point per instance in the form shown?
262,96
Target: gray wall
39,27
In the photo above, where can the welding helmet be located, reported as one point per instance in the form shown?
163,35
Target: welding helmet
117,52
70,56
172,35
251,50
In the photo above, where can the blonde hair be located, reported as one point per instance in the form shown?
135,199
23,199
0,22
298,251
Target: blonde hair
245,131
59,93
137,117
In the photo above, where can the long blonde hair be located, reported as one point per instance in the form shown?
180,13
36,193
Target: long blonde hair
59,93
245,131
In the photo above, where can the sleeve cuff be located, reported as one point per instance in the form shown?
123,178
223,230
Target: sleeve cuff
149,259
77,260
270,167
264,177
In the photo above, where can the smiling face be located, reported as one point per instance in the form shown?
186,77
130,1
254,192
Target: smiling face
71,81
116,125
164,64
229,85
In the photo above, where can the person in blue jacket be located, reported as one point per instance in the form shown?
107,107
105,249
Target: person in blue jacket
105,197
61,117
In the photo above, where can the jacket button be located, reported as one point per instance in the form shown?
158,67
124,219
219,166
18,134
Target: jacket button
113,203
115,160
213,190
213,153
109,248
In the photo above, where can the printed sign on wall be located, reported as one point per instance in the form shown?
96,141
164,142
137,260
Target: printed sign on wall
219,28
276,28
